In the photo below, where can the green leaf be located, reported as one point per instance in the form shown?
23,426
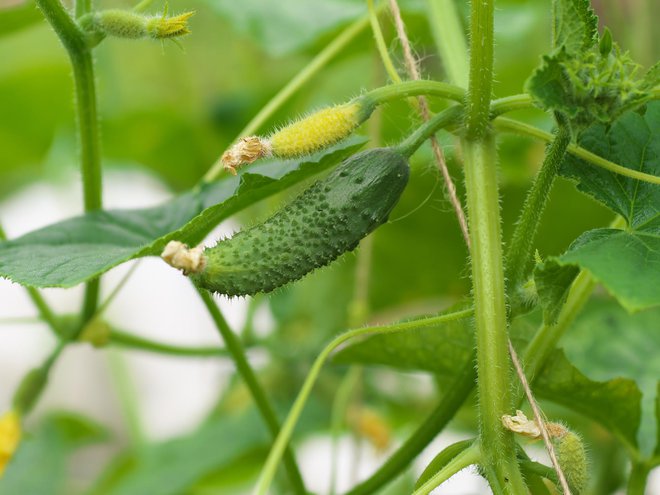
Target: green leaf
605,342
614,403
81,248
445,350
170,468
271,24
632,141
553,282
626,262
587,79
575,26
45,451
442,350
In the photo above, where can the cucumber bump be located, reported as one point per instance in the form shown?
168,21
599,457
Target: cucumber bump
325,221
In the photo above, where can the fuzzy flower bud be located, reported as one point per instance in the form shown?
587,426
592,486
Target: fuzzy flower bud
316,131
10,436
572,458
303,137
131,25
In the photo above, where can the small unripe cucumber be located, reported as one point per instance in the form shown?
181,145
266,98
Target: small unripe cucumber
326,220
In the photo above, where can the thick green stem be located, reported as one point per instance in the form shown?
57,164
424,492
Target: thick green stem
449,40
263,404
452,399
75,42
498,447
519,253
481,68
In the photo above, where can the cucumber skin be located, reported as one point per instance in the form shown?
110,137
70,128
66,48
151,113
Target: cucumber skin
325,221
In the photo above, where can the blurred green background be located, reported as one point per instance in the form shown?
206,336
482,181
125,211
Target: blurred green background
169,112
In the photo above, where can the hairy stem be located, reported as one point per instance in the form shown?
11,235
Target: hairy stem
449,117
548,335
510,125
498,447
519,253
414,88
75,42
481,68
263,404
511,104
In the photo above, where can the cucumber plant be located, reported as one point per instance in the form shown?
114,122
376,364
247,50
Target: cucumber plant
596,297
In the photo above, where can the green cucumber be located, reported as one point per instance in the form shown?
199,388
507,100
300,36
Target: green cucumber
325,221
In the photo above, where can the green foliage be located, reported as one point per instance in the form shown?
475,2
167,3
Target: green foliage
608,342
79,249
614,403
170,468
575,25
626,262
587,79
173,113
632,140
270,24
40,464
446,349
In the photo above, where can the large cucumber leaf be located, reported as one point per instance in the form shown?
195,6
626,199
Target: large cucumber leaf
626,262
445,349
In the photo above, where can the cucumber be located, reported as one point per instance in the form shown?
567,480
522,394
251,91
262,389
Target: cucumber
325,221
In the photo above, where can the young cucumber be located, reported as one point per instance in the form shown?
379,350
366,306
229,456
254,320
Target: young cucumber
326,220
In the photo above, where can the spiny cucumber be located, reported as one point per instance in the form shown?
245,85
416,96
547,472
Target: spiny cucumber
325,221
